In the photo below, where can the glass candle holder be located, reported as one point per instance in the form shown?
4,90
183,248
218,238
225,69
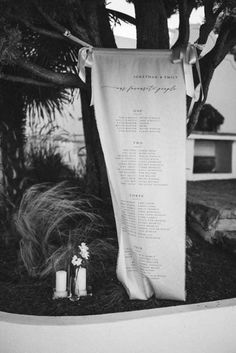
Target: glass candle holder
73,293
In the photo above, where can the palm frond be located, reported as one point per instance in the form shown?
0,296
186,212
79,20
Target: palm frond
117,16
49,53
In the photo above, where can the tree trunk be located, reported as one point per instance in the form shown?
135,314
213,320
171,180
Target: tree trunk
12,139
152,33
96,175
97,182
151,24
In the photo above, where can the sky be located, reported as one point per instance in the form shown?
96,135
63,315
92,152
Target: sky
126,30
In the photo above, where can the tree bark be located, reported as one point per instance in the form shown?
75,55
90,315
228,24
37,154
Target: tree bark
12,139
96,174
67,80
185,9
151,24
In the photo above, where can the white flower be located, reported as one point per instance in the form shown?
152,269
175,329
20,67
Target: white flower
84,251
84,254
83,246
76,261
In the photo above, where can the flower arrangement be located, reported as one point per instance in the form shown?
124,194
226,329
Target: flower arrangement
63,234
81,257
78,275
51,221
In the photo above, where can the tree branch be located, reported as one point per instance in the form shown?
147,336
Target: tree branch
25,80
42,31
225,41
193,119
208,25
59,79
54,24
185,9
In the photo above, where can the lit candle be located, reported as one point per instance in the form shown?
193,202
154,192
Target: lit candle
61,282
80,286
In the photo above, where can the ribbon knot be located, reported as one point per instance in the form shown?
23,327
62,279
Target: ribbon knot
85,59
189,57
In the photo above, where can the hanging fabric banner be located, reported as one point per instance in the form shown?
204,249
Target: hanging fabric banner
140,108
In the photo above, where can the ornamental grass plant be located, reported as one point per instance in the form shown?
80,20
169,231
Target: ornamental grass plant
45,164
52,221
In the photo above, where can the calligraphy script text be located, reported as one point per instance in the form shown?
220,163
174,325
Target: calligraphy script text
149,89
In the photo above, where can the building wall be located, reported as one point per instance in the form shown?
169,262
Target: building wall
214,156
222,93
222,89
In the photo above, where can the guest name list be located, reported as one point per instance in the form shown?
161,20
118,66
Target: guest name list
141,122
